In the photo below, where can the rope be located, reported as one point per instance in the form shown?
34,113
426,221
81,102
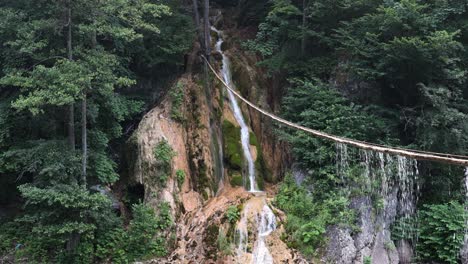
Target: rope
414,154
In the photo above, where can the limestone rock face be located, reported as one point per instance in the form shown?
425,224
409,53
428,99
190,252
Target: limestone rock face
191,143
373,241
341,249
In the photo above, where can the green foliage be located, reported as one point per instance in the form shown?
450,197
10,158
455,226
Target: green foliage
177,97
144,238
54,215
441,232
223,243
232,145
307,218
253,139
315,105
405,228
232,214
367,260
180,175
236,179
114,43
163,153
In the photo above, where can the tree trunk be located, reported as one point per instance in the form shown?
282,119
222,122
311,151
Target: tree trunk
74,238
303,41
197,24
71,108
84,129
206,12
84,140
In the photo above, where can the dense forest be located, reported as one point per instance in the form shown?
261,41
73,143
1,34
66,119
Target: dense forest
119,144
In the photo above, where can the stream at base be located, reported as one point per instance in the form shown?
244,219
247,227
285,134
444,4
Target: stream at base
255,249
257,208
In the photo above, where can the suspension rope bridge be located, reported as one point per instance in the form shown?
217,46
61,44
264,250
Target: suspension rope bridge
411,153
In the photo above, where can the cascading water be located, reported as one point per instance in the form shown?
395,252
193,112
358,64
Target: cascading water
242,232
266,220
266,225
245,136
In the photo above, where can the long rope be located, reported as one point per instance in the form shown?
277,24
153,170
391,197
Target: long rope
415,154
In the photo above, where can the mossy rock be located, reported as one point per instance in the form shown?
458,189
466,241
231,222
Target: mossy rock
253,140
232,145
241,77
260,182
236,179
211,236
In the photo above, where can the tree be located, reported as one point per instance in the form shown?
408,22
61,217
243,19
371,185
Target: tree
44,73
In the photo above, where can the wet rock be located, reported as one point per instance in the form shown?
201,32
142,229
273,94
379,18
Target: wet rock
364,239
217,55
340,249
464,253
405,251
384,251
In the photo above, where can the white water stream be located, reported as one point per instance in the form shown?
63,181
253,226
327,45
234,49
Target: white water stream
265,219
245,137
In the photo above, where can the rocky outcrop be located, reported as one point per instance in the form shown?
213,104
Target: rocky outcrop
372,242
189,139
464,252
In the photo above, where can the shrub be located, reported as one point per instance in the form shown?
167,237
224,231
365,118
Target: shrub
223,243
144,238
441,232
236,179
177,97
180,175
232,214
307,219
164,153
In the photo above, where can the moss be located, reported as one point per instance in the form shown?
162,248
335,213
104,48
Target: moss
253,140
263,173
205,195
232,146
260,183
241,77
210,239
236,179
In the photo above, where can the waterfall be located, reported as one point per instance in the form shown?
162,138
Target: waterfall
242,232
266,225
245,136
258,216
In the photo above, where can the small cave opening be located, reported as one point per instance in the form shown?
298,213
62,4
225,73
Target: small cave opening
134,194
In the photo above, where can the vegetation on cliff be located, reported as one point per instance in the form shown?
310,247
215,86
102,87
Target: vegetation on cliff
391,72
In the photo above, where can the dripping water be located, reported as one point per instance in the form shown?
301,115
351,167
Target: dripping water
342,164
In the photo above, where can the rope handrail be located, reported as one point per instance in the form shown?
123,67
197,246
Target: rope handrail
415,154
